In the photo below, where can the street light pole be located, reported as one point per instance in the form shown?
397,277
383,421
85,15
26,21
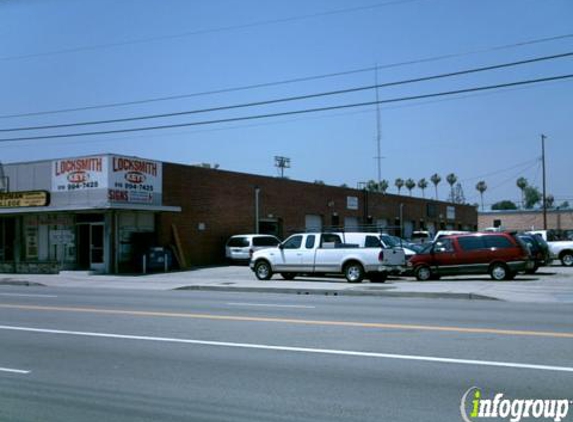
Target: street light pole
544,183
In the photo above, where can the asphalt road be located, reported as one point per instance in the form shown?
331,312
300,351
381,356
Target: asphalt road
120,355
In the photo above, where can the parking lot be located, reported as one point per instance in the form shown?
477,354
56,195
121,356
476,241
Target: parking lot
552,284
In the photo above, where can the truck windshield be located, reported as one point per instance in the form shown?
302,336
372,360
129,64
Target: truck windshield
390,241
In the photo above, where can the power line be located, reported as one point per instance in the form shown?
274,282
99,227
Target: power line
505,170
295,98
514,177
294,112
298,119
208,31
290,81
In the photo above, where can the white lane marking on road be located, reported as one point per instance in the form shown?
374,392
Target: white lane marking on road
15,371
433,359
271,305
25,295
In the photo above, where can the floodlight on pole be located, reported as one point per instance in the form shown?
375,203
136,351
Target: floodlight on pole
282,163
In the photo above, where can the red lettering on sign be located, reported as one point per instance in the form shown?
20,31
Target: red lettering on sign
78,177
79,164
135,177
117,195
134,165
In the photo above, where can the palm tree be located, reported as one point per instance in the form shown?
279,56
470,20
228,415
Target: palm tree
481,188
549,201
423,184
383,185
410,184
436,179
522,184
452,179
372,186
399,183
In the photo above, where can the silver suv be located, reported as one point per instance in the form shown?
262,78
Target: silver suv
240,248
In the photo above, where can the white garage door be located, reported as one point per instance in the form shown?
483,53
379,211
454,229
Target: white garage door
350,224
313,222
408,229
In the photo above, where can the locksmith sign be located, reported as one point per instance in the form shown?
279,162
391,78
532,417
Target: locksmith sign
80,174
124,179
134,180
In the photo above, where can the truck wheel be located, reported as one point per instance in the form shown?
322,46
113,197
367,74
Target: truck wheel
567,258
263,270
354,272
500,272
423,273
288,276
378,277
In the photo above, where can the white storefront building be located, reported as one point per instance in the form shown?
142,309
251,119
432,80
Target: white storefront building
83,213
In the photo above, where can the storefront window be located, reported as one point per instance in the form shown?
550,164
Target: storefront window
49,237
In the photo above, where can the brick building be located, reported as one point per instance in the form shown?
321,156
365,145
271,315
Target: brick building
100,212
559,220
216,204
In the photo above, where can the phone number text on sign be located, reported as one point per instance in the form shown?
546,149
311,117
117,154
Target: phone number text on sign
131,186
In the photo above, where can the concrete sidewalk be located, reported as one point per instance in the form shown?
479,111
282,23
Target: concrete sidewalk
551,285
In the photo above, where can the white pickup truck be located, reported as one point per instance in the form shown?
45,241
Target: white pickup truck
559,249
319,254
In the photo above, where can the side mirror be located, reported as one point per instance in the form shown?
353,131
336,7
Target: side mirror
281,246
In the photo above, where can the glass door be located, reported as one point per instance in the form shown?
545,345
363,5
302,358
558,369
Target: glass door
97,247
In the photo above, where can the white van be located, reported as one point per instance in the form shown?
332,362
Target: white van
241,247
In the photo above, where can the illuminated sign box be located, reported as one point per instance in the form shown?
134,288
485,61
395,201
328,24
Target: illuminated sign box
24,199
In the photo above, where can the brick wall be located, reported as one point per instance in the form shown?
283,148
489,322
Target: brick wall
224,202
527,220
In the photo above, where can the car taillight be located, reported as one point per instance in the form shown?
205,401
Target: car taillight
381,256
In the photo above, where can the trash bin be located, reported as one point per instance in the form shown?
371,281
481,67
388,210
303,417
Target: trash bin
156,258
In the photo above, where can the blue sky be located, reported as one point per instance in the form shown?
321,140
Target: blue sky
60,54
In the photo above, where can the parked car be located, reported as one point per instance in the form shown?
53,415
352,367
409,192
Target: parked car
560,249
539,250
240,248
501,255
421,237
390,241
326,253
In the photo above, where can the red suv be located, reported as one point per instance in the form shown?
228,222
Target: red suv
501,255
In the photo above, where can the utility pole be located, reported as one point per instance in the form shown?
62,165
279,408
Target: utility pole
281,163
544,182
378,135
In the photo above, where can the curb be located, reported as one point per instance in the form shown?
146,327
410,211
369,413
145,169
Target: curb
20,283
326,292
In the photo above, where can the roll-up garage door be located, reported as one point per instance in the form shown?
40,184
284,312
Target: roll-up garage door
350,224
313,222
